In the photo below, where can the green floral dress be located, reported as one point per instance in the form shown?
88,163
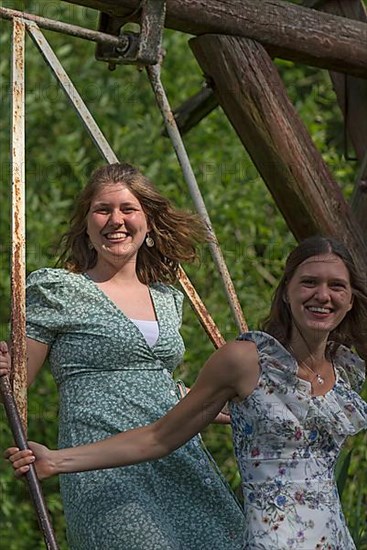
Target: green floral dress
110,380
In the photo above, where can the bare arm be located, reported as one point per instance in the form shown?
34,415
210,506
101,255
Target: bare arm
231,372
5,363
36,356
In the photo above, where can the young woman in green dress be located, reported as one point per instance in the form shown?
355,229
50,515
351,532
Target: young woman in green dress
108,323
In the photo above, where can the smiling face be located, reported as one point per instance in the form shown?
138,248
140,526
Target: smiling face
116,225
319,296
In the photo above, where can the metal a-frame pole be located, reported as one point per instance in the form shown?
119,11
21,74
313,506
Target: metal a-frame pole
16,403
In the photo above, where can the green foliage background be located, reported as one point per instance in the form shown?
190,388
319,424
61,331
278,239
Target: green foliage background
59,157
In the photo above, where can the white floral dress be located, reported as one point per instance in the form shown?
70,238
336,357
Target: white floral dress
287,442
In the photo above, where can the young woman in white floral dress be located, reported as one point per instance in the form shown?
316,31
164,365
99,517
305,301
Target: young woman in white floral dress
293,393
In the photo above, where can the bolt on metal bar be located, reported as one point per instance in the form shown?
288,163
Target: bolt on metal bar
71,92
174,134
71,30
18,317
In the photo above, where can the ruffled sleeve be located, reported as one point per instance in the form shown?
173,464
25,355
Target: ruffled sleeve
351,368
48,294
340,412
275,361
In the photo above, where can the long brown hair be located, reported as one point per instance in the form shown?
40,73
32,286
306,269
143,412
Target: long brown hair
175,233
351,331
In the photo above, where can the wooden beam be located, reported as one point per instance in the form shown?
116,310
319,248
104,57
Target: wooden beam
194,109
351,93
291,31
253,97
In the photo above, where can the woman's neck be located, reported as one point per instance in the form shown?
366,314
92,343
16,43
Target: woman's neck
306,350
103,272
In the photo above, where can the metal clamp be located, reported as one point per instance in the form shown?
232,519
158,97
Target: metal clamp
142,48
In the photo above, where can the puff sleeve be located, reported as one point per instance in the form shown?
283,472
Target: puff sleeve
46,304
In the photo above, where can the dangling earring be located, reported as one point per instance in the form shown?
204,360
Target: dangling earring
149,241
90,245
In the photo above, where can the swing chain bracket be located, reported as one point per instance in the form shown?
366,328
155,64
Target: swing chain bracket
143,48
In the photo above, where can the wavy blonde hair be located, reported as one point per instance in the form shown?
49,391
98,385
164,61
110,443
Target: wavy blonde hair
176,233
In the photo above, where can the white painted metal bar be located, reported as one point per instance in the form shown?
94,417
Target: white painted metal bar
71,30
182,156
71,92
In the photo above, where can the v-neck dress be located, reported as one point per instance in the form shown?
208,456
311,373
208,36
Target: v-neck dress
287,442
110,380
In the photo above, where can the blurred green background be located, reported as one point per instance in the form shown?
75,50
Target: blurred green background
255,240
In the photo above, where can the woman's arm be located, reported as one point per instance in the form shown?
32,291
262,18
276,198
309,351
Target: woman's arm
231,372
5,363
36,356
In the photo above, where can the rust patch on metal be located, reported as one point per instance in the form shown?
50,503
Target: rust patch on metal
18,315
202,313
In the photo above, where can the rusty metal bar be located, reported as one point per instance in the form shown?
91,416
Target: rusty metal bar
202,313
18,401
71,30
174,134
31,476
18,317
71,92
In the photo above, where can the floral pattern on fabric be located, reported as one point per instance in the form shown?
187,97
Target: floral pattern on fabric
287,442
110,380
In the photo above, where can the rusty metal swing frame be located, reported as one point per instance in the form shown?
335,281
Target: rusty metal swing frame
142,49
248,36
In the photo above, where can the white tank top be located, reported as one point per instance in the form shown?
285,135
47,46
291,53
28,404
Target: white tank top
149,330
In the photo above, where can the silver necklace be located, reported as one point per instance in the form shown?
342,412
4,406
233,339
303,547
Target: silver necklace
317,376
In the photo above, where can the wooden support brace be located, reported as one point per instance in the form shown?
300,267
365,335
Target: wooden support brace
292,31
252,95
194,109
351,93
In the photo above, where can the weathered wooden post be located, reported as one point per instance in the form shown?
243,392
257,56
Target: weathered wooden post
252,95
